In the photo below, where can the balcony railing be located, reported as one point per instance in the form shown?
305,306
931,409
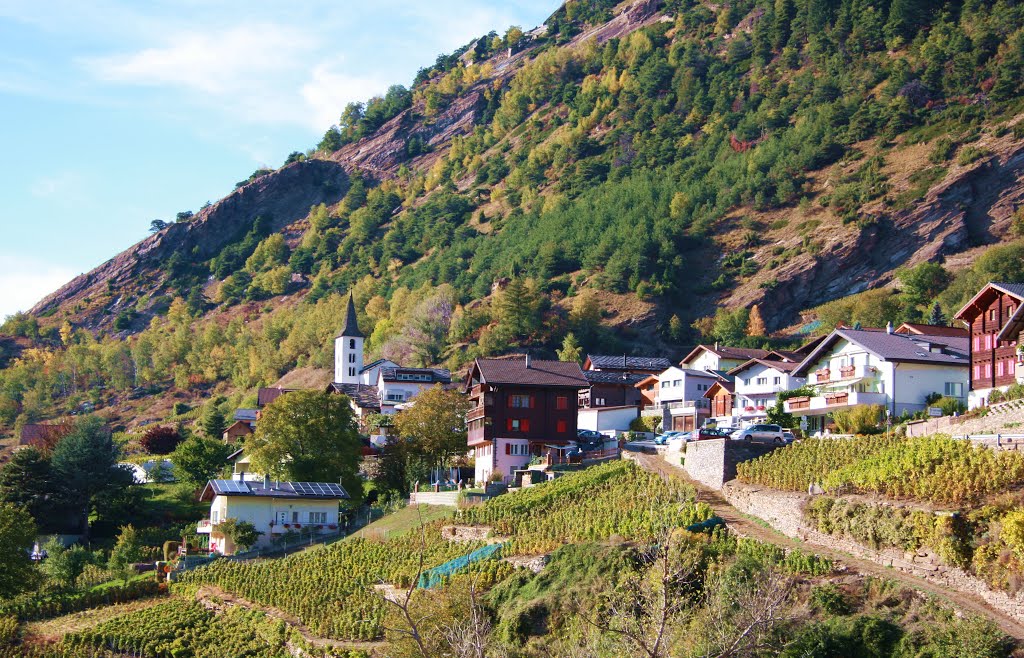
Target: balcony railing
679,404
476,413
204,527
831,401
822,375
846,372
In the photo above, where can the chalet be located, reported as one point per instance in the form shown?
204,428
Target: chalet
522,408
722,399
719,358
364,399
236,430
994,320
648,387
638,365
853,367
680,401
266,395
274,508
608,388
931,330
247,416
759,381
369,373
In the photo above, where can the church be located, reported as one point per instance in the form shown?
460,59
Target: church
381,386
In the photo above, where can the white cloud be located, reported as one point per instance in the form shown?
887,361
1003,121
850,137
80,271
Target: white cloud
24,281
328,91
235,60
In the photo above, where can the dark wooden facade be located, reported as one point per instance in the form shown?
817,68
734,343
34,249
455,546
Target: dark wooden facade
721,400
609,395
993,361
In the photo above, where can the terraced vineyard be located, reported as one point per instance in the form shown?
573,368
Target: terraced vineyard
330,589
936,469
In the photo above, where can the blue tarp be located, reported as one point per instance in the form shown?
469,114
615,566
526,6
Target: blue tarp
706,526
434,577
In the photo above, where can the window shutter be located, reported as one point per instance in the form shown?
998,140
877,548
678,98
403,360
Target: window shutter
508,424
508,446
524,424
508,403
533,402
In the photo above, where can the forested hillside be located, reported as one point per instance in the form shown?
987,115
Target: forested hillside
634,173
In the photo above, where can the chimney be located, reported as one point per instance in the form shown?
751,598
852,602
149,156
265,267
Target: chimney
527,360
266,481
716,345
888,327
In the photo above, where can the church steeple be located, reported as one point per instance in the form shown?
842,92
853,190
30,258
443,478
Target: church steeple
351,328
348,348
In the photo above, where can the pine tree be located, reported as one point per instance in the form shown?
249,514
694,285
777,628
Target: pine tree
214,423
755,324
571,349
937,317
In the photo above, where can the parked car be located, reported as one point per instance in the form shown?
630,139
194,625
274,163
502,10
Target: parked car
590,435
662,439
761,433
788,436
708,433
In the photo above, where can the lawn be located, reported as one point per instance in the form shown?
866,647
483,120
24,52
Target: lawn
406,519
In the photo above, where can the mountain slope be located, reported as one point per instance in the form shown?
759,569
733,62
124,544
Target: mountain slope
621,173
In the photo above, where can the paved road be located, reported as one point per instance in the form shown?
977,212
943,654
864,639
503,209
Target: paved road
744,526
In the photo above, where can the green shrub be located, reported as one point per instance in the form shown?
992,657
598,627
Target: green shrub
830,599
862,419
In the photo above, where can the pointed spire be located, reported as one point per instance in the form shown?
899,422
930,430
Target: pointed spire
351,327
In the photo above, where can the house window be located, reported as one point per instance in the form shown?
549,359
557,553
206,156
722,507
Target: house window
988,341
214,516
561,403
599,402
992,314
977,343
746,382
777,381
761,381
351,372
988,369
517,424
520,401
295,517
318,517
1011,367
395,397
351,343
977,372
561,427
517,449
999,368
954,390
352,358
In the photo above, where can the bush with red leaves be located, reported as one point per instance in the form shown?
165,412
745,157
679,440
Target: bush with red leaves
160,440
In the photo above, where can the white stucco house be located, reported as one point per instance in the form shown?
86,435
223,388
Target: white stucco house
680,400
854,367
758,382
719,357
274,508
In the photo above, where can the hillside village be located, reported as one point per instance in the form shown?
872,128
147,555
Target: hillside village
666,328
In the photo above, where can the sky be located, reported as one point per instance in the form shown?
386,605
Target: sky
113,114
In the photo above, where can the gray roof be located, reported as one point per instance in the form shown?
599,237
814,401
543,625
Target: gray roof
909,348
351,327
623,362
613,377
1015,289
248,415
436,374
365,396
538,373
273,489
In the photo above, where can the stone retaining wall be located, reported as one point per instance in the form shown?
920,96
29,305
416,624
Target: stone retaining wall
466,533
784,512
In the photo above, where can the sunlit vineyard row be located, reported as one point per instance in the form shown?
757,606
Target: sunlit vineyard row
331,589
936,469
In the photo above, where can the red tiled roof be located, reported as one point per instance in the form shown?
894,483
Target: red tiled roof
743,353
539,372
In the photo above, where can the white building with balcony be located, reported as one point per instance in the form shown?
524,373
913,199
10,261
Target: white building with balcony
680,401
758,382
853,367
274,508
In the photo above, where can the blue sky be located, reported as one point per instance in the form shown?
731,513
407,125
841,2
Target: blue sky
113,114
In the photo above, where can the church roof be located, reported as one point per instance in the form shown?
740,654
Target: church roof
351,328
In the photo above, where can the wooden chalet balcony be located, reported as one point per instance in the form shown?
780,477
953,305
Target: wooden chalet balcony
822,375
476,413
836,398
797,404
847,372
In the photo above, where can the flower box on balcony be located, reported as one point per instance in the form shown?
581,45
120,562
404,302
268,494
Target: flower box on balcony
760,407
298,525
319,527
287,525
748,408
333,526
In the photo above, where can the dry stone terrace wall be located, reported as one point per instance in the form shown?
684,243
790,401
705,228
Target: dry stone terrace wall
713,462
784,511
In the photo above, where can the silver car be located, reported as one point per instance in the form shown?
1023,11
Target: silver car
762,432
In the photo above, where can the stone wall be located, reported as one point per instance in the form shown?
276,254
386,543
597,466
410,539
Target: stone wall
467,533
784,512
705,462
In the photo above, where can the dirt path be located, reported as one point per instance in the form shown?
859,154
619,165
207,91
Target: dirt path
747,527
216,599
